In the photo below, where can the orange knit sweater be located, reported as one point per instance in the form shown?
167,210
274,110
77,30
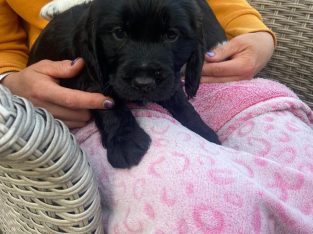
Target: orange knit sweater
20,24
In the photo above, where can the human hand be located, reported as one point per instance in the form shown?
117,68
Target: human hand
39,83
239,59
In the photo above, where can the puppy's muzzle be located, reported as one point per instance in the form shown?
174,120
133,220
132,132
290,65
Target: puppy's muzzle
145,78
144,83
139,81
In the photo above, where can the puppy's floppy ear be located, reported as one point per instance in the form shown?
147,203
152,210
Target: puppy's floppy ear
209,33
86,43
194,66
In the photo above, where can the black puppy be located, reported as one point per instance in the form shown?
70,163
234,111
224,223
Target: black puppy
134,51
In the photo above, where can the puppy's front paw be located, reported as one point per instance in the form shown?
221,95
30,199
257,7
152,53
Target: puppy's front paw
50,10
208,134
214,138
127,148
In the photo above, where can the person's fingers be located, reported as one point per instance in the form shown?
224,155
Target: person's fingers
223,52
53,93
59,69
236,67
64,114
72,118
74,99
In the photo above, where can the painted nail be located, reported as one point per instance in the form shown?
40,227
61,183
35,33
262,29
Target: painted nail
210,54
108,104
74,61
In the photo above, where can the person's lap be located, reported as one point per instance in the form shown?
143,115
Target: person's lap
260,179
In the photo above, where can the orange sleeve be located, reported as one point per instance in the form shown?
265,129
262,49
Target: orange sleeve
238,17
13,48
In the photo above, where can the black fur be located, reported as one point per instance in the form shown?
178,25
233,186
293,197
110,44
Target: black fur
134,51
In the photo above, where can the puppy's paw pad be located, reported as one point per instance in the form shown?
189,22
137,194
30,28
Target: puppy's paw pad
50,10
125,151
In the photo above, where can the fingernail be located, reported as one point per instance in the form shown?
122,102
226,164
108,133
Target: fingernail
74,61
210,54
108,104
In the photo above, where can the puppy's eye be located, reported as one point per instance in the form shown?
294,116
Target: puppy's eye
119,33
171,35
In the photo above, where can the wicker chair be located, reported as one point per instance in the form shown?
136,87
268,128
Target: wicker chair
46,183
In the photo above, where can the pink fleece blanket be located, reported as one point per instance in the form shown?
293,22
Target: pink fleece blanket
259,181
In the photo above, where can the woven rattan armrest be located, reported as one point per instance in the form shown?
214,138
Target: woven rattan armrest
46,183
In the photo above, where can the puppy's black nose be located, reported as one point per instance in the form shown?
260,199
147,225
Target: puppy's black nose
144,83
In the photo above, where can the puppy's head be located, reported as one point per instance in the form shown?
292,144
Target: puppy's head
138,47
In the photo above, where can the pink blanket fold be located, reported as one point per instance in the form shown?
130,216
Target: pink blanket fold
259,181
225,106
219,103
